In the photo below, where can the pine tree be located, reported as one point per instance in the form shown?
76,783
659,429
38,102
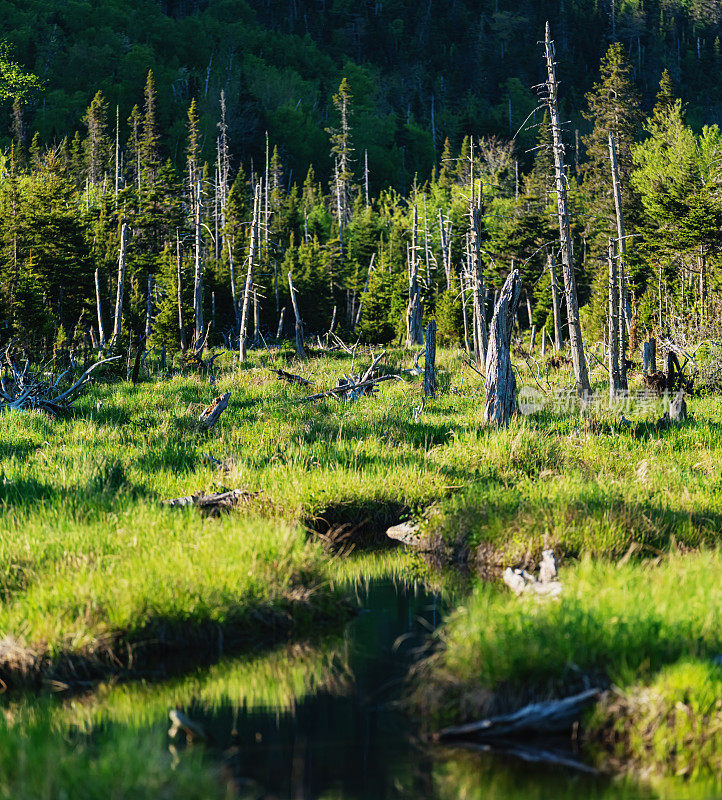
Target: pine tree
150,139
341,151
97,145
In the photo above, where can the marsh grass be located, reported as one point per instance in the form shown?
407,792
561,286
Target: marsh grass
650,630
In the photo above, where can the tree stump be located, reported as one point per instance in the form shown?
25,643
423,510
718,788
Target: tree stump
500,380
430,362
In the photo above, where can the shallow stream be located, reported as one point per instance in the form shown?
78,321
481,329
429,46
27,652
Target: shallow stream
341,734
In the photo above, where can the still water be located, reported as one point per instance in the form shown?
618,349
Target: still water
336,729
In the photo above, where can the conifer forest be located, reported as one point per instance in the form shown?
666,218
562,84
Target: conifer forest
360,381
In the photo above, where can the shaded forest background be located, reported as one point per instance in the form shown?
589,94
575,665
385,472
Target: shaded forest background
164,116
417,68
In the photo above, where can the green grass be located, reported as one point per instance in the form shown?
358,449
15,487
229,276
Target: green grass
92,566
629,626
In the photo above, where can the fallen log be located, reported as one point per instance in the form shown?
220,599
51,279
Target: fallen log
291,378
343,389
210,415
212,501
546,717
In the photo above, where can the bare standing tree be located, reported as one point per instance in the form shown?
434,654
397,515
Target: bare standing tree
252,255
500,380
570,285
181,325
121,284
414,310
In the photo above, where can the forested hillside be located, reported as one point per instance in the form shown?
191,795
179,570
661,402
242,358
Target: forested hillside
420,71
146,129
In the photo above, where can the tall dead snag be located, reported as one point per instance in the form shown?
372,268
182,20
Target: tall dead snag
555,302
198,281
570,284
234,296
121,284
101,328
252,253
477,278
500,380
414,311
280,323
445,234
179,263
430,362
624,308
359,311
614,381
149,311
300,352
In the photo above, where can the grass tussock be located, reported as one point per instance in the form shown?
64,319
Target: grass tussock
623,625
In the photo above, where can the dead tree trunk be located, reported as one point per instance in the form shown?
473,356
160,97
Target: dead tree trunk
570,285
280,323
477,277
500,380
121,284
462,286
198,282
181,324
558,339
445,234
430,362
242,336
414,311
149,311
622,343
101,328
649,356
234,296
300,352
624,308
614,381
357,321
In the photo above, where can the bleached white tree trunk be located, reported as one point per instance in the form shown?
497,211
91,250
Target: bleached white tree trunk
500,380
579,361
121,284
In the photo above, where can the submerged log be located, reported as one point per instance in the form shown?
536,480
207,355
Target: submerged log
550,716
500,380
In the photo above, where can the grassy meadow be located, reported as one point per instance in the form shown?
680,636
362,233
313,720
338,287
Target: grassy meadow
98,578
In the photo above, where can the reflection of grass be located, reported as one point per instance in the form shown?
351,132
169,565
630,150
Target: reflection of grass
42,759
78,747
613,623
275,681
477,776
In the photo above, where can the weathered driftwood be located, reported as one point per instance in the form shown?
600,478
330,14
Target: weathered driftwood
500,380
430,362
212,501
22,390
291,378
210,415
408,533
678,407
353,390
547,717
521,582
